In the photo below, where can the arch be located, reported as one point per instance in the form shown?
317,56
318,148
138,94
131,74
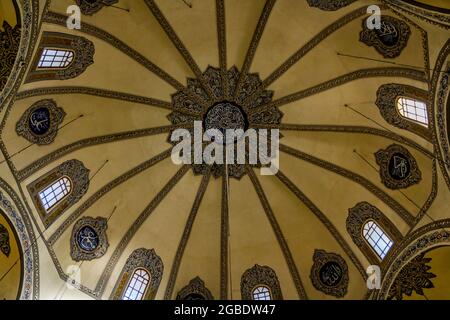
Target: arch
195,290
358,217
54,60
424,239
145,259
13,209
52,194
260,276
11,260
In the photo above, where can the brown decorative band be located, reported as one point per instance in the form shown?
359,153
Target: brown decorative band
323,218
44,161
56,18
224,237
106,274
346,78
185,237
257,34
94,92
439,89
431,17
170,32
292,60
392,203
354,129
104,190
424,238
279,234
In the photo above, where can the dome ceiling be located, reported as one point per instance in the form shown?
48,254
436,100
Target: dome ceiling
288,65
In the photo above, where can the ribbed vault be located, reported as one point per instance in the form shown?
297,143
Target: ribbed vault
208,224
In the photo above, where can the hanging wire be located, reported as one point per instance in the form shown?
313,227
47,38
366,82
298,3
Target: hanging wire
32,144
389,62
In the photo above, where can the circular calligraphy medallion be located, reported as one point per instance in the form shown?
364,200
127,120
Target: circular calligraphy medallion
39,121
399,167
388,33
330,274
87,239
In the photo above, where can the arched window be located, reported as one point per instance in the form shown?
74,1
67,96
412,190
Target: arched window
195,290
137,286
55,58
413,109
61,56
377,238
59,189
261,293
372,232
404,107
55,192
140,276
260,283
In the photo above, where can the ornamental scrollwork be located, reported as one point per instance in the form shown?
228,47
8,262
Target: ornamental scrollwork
39,123
329,273
390,39
330,5
5,247
257,276
9,46
414,277
89,240
228,107
195,290
89,7
398,168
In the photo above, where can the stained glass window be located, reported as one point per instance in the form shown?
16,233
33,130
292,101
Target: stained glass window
55,58
137,286
261,293
413,109
377,238
54,193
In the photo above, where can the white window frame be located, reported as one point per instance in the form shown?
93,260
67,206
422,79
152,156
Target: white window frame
131,285
55,58
263,287
62,186
377,239
413,109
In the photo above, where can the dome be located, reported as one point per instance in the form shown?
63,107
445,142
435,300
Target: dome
352,122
